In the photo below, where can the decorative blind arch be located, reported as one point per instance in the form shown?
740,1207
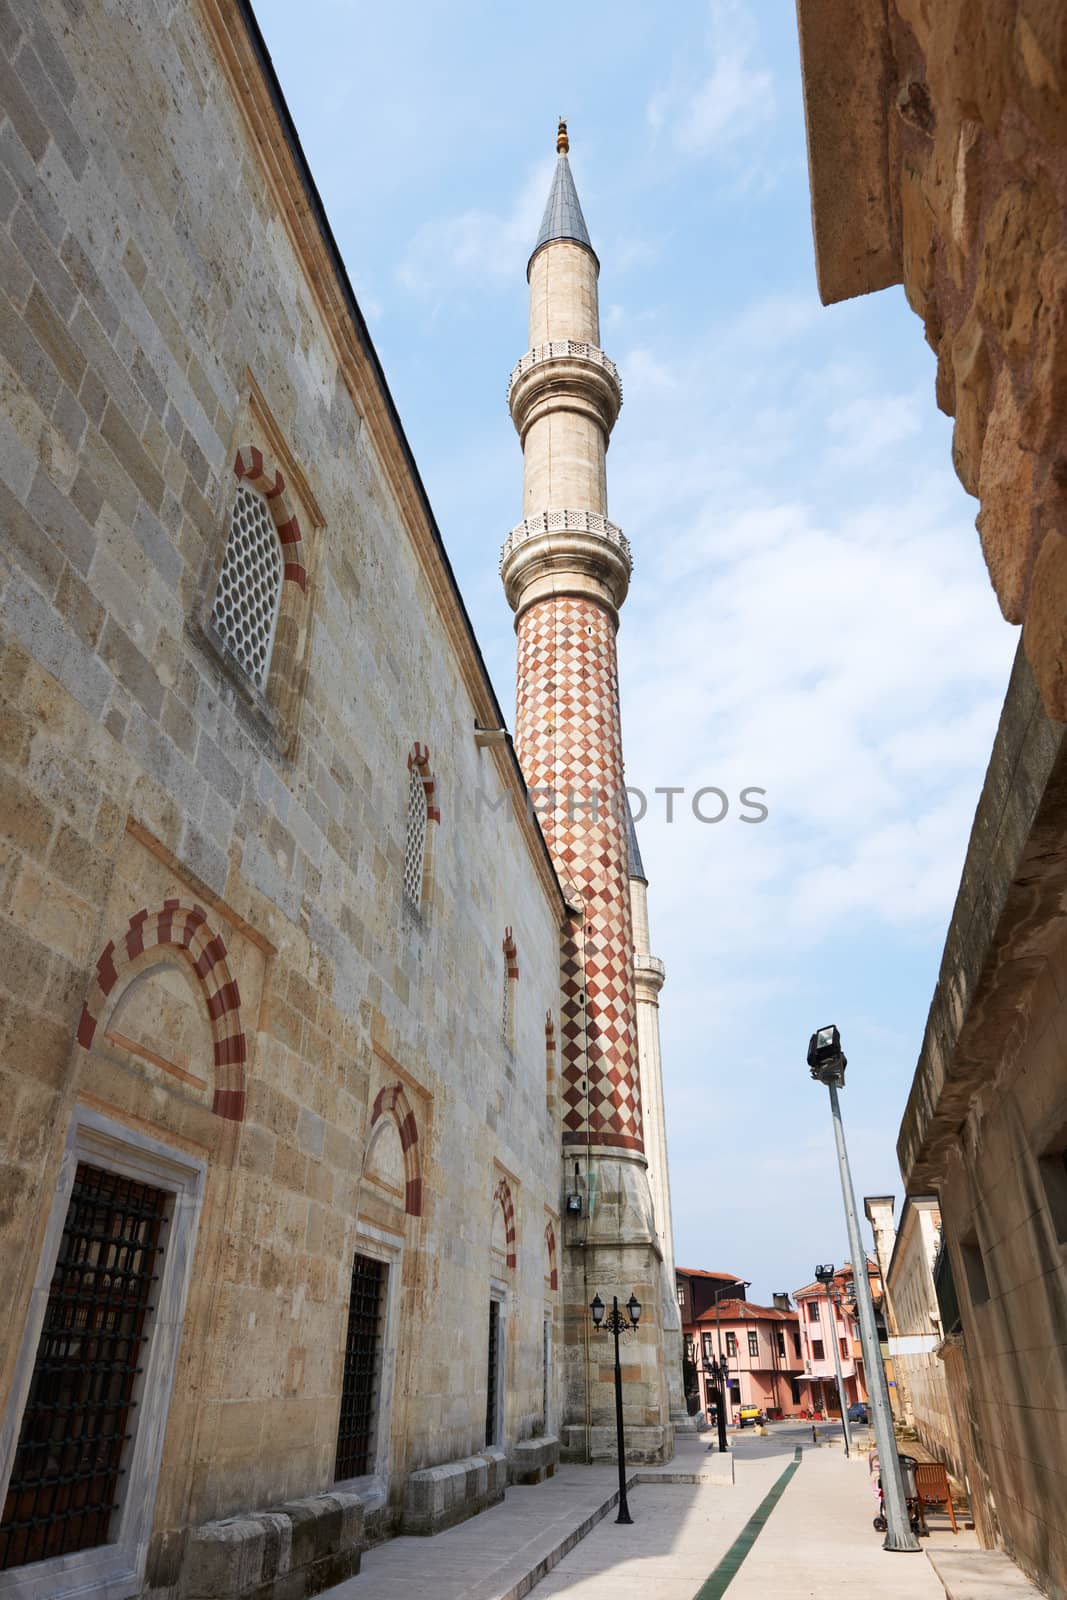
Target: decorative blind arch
393,1102
185,929
552,1273
502,1198
550,1060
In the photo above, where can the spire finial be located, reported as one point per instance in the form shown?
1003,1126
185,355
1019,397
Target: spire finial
563,144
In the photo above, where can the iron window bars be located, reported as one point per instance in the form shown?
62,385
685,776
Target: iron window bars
66,1480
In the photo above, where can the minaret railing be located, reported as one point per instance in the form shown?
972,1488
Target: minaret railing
566,521
563,350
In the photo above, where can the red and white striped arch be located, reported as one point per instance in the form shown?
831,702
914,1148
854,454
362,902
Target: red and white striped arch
502,1198
551,1271
250,467
393,1102
187,930
419,761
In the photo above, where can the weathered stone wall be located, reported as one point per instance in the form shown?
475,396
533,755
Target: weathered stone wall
986,1126
938,147
1013,1287
156,317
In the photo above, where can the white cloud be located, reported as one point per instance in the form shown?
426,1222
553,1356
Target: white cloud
839,647
476,247
711,112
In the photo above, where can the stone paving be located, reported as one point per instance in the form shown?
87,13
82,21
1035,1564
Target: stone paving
693,1540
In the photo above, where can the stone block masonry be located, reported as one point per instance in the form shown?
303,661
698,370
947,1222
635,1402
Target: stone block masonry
204,937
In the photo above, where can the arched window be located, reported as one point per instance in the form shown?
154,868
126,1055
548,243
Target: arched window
415,848
421,812
248,596
511,975
550,1061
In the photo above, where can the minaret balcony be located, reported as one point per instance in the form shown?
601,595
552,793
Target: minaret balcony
566,374
650,974
566,551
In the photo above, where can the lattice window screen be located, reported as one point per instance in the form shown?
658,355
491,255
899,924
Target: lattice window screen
415,851
507,1017
245,609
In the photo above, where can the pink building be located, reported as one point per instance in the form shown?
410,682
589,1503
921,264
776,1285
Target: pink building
763,1349
823,1325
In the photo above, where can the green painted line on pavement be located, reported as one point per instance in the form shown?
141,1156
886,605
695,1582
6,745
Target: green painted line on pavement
717,1583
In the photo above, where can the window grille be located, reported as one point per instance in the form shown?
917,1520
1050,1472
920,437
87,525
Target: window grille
245,610
357,1426
494,1368
415,849
66,1479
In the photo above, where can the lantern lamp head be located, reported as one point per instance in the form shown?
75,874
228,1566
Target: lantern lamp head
597,1308
633,1306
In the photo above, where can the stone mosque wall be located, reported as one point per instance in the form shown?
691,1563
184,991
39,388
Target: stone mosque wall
280,939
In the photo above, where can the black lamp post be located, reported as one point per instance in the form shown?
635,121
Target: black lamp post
616,1322
724,1365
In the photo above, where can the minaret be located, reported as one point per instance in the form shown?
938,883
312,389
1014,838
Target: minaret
649,977
566,570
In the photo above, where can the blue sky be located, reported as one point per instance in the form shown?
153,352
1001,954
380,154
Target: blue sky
809,612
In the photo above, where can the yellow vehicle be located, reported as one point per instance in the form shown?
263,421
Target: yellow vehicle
750,1416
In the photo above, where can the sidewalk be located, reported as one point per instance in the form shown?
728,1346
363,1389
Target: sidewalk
796,1523
816,1539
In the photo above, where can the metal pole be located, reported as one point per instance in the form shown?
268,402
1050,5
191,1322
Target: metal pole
899,1535
840,1376
624,1509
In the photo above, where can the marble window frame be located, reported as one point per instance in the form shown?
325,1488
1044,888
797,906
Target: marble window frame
498,1293
107,1571
381,1245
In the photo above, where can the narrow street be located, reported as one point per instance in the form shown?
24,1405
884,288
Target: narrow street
796,1522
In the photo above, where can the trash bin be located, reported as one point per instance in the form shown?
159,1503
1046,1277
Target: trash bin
907,1472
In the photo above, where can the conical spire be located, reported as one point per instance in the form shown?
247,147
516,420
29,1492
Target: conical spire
563,212
633,850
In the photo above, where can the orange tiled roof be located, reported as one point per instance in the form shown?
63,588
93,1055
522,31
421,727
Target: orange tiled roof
747,1309
697,1272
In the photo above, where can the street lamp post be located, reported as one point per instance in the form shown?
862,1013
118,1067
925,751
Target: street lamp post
724,1365
616,1323
824,1274
827,1063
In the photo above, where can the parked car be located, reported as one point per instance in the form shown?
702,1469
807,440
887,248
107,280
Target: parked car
858,1412
750,1416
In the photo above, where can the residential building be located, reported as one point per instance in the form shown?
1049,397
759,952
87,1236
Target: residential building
938,159
761,1343
300,1003
906,1257
763,1351
826,1324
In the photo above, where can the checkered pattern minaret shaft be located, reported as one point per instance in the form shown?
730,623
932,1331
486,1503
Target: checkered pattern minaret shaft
566,569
